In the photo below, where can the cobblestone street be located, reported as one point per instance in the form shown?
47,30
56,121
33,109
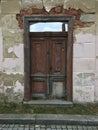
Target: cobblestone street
47,122
45,127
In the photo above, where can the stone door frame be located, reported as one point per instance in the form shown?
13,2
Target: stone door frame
38,18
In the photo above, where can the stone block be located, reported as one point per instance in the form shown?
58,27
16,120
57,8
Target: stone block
78,50
87,6
96,29
89,50
13,66
83,94
87,18
85,37
97,24
49,4
97,64
9,22
84,50
77,79
10,6
26,4
96,47
1,45
83,65
83,79
96,19
96,7
13,40
1,16
0,8
88,79
96,87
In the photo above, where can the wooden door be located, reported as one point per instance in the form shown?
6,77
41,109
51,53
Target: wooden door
38,66
57,56
48,65
58,67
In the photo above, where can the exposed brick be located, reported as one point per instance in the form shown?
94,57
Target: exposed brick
54,11
39,11
20,22
57,10
74,12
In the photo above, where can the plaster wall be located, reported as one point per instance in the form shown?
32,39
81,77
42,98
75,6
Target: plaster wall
96,53
85,48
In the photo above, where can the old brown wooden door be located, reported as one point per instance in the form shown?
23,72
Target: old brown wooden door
48,65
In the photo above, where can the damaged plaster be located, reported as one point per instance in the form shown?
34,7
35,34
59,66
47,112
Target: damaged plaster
32,3
84,5
11,87
87,18
13,65
85,85
84,79
10,79
12,35
87,30
84,94
11,58
15,50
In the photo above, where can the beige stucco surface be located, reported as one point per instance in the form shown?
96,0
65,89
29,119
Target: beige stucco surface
85,49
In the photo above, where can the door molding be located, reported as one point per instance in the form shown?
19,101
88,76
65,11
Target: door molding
36,18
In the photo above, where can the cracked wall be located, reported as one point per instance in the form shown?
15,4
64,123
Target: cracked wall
11,53
85,49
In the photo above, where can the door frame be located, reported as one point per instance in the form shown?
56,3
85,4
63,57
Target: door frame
27,20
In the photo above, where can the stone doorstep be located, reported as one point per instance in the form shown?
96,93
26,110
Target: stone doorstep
49,103
47,119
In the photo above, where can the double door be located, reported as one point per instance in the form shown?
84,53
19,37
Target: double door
48,65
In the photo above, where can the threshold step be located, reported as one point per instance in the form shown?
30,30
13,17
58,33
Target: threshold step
49,103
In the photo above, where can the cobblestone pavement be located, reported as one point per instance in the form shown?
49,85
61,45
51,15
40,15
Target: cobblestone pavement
45,127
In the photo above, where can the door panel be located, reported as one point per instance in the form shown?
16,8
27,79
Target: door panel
57,89
38,86
48,58
38,66
38,57
58,56
57,69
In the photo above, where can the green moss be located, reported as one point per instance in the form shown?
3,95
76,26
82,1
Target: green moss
2,98
87,109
